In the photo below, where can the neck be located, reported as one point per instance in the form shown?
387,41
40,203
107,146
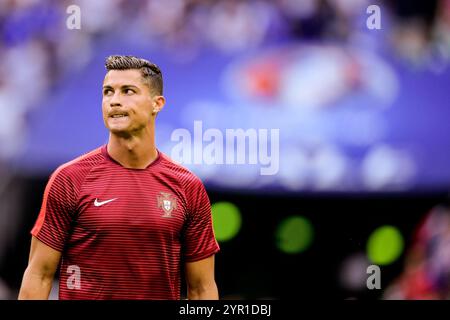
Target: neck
134,151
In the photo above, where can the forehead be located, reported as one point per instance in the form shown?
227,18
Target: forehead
119,78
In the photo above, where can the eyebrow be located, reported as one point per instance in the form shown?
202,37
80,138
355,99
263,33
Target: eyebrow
126,86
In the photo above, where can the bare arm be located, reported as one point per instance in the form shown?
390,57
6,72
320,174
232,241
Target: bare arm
200,280
38,277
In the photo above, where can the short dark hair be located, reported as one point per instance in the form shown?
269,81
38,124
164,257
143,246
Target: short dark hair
150,72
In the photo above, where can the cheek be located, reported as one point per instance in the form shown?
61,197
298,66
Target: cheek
104,107
142,106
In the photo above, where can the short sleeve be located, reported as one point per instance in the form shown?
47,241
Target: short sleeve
199,239
55,218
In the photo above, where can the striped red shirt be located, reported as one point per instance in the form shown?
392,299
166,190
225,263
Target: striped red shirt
124,233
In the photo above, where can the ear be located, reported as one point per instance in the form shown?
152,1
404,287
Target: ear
158,104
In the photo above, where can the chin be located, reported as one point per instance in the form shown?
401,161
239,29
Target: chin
117,126
117,130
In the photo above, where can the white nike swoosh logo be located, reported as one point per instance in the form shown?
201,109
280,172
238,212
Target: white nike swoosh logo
98,203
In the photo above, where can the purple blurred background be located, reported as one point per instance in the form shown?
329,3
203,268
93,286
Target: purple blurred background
362,113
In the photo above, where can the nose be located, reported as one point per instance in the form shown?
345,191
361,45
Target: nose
115,100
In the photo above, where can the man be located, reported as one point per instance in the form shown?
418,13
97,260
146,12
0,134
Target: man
124,219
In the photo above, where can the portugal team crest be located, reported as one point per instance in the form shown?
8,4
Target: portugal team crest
168,203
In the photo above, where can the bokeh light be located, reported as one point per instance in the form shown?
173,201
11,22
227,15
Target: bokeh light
385,245
353,271
226,220
294,235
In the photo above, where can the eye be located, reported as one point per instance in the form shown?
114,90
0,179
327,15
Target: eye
107,92
129,91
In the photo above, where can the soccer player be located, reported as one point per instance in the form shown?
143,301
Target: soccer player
123,221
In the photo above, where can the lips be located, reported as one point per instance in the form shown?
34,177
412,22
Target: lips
116,115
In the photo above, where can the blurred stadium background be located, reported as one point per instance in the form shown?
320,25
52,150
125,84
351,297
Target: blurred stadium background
363,115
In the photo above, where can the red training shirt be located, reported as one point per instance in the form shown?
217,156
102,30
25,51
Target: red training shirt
124,233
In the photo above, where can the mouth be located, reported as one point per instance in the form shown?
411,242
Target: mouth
118,115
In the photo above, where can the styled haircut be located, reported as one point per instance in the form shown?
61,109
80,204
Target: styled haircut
150,72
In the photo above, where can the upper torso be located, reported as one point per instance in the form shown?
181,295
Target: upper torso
124,231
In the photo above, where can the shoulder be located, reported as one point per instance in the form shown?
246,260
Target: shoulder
183,175
75,170
188,183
